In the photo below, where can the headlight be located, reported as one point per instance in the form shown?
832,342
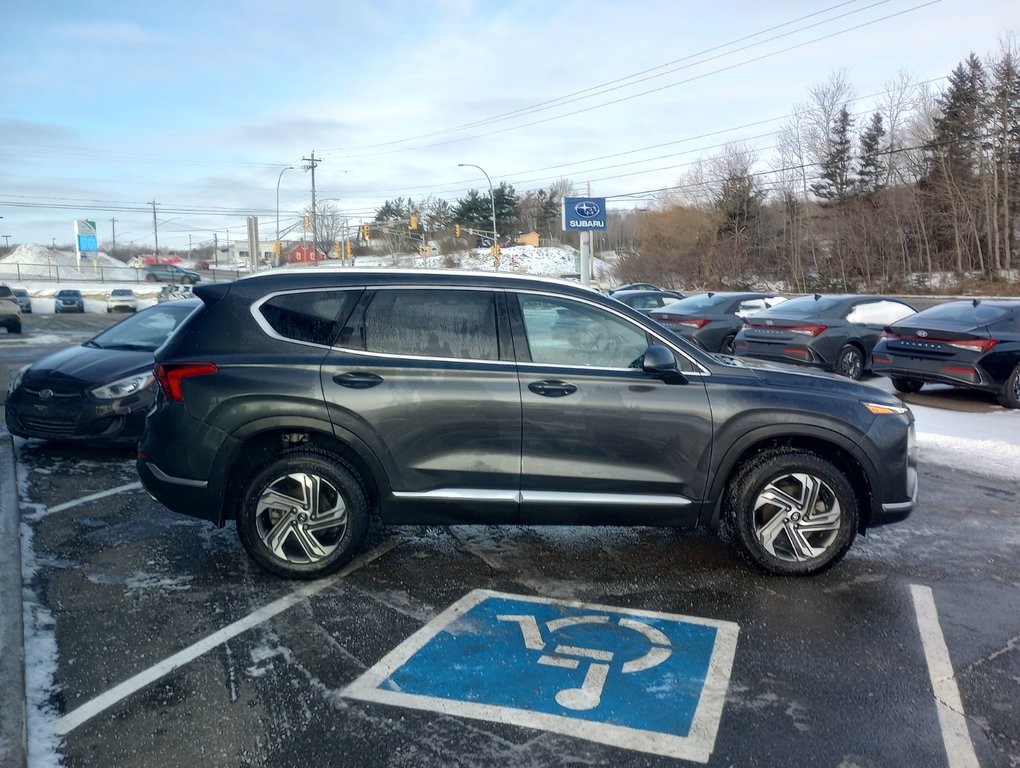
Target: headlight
881,409
123,387
15,379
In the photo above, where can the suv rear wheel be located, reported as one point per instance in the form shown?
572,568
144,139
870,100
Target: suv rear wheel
793,513
303,515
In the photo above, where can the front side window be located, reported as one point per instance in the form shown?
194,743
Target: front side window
566,332
311,316
458,324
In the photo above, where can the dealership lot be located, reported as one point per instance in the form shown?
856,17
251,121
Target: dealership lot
171,648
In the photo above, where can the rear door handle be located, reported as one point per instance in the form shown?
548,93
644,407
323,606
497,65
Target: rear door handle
357,380
552,388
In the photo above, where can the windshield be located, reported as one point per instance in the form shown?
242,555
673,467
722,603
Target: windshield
69,294
803,306
146,330
122,292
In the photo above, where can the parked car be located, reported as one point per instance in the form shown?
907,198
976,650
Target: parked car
68,300
174,292
970,344
647,300
711,320
24,300
833,332
635,287
122,300
310,399
171,273
10,310
98,391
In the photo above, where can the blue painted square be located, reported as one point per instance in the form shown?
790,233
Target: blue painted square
640,679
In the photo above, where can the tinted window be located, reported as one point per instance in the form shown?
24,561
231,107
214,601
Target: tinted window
961,312
430,323
803,306
698,302
313,316
565,332
146,330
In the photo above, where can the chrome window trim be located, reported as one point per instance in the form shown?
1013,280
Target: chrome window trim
261,321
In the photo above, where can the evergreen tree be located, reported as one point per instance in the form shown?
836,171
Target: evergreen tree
836,183
870,170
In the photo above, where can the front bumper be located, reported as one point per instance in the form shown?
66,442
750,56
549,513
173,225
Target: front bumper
76,416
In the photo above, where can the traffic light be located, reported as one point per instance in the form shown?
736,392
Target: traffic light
308,221
336,248
277,246
350,253
364,230
414,221
456,230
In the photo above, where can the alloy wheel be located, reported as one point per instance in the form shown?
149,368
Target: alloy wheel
797,517
301,518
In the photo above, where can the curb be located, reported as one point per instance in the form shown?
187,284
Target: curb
13,733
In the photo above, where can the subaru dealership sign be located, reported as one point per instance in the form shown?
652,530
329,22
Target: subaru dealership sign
582,214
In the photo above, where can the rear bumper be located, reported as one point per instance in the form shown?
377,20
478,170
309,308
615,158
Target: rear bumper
790,352
933,372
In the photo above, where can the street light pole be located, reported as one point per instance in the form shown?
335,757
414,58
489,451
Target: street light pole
288,168
492,199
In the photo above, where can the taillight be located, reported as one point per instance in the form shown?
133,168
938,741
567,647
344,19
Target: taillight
693,322
972,345
170,376
807,330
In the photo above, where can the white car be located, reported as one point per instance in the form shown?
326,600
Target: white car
122,300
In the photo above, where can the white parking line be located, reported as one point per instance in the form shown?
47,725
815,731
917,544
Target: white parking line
955,736
104,701
94,496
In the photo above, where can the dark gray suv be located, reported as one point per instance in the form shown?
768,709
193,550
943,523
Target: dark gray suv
310,399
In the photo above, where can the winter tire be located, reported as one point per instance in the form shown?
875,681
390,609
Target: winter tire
1009,395
907,386
850,362
792,513
303,515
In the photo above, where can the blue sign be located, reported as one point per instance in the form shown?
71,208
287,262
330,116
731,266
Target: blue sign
581,214
641,680
87,243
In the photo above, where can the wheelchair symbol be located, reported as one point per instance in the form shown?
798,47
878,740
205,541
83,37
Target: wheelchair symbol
589,694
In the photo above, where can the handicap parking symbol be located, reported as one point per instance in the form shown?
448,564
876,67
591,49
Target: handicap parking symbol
641,680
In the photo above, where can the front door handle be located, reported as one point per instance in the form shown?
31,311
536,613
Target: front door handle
552,388
357,380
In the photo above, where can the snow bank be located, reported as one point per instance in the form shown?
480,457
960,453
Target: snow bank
37,261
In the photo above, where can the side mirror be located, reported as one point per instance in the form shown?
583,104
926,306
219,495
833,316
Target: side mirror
660,361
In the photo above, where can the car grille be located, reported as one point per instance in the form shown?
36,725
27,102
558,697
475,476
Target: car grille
53,428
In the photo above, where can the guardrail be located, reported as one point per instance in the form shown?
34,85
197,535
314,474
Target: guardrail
91,272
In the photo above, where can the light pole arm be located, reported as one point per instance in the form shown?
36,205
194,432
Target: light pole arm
288,168
492,199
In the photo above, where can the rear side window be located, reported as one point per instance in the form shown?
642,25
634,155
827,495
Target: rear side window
311,316
458,324
878,312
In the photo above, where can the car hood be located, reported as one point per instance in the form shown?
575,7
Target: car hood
797,377
90,365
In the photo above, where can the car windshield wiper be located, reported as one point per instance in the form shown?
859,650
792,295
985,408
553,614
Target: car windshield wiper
92,343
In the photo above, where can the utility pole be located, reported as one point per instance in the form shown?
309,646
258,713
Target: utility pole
312,162
216,248
155,229
113,225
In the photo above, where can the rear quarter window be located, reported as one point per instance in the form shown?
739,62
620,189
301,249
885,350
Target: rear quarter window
314,317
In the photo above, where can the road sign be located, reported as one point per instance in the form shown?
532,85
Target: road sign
584,214
641,680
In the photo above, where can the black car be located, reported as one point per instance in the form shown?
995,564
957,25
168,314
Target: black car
833,332
68,300
711,320
310,399
635,287
971,344
646,301
98,391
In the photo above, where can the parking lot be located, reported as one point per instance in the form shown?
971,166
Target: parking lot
169,647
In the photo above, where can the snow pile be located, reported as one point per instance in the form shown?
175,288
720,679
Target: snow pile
38,261
520,259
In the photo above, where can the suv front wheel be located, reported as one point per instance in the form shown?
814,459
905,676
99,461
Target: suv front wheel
303,515
793,513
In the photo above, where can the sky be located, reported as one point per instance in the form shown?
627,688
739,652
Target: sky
107,107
